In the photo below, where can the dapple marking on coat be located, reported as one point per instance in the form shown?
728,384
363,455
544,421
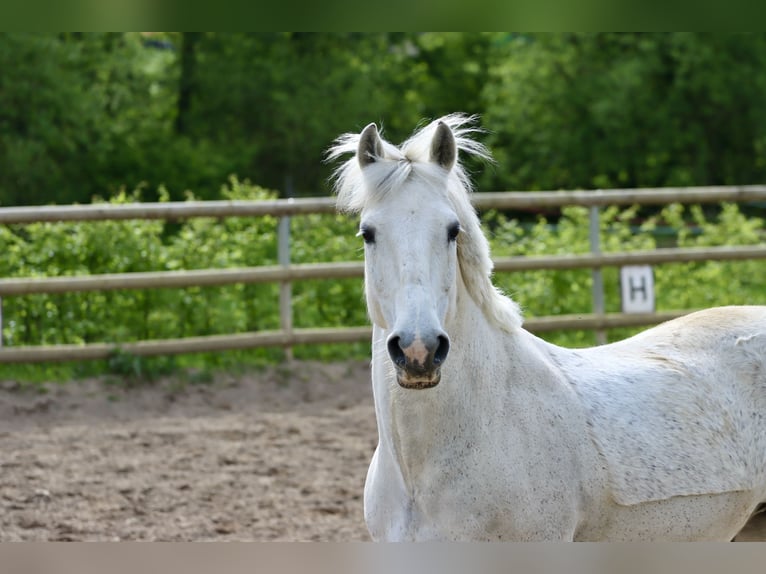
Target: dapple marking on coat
487,432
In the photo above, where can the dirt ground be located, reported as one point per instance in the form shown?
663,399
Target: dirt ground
278,454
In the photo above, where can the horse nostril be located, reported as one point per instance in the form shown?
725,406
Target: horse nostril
441,350
395,352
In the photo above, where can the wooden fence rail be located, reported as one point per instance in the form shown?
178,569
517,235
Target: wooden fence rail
287,273
345,270
303,206
281,338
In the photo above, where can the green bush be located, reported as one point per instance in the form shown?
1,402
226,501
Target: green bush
48,249
678,286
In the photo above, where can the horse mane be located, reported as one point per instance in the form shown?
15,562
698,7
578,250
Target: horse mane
395,165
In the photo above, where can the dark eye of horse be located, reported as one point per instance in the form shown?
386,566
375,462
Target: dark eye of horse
368,234
452,232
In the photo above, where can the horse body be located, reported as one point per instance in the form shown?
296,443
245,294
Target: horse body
448,465
487,432
678,417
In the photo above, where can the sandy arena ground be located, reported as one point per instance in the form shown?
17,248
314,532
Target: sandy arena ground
279,454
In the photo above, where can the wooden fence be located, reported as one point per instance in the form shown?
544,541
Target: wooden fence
286,273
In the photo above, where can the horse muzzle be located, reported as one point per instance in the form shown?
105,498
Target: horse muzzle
418,360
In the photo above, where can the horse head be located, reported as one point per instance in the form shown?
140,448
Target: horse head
422,240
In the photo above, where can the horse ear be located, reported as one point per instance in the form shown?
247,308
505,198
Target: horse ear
443,147
370,147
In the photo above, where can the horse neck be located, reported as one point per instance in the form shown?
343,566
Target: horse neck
480,378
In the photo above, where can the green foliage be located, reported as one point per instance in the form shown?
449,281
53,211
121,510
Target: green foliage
86,115
563,292
46,249
626,110
714,282
89,114
76,112
132,370
677,286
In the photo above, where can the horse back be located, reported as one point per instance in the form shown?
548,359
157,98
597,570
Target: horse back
679,409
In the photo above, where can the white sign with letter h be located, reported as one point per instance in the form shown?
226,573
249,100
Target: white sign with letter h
637,289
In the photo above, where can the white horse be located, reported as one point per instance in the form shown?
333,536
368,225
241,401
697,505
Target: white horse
487,432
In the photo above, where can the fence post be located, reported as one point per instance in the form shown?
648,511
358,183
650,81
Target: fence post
598,281
283,258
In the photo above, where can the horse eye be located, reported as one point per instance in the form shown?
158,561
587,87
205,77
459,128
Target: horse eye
452,232
368,234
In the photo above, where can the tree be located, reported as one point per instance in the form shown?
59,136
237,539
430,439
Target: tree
627,110
77,112
277,100
189,41
91,114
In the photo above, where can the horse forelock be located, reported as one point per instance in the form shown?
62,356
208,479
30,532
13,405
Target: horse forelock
356,188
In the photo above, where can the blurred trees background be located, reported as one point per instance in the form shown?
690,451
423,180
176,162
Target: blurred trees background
84,115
